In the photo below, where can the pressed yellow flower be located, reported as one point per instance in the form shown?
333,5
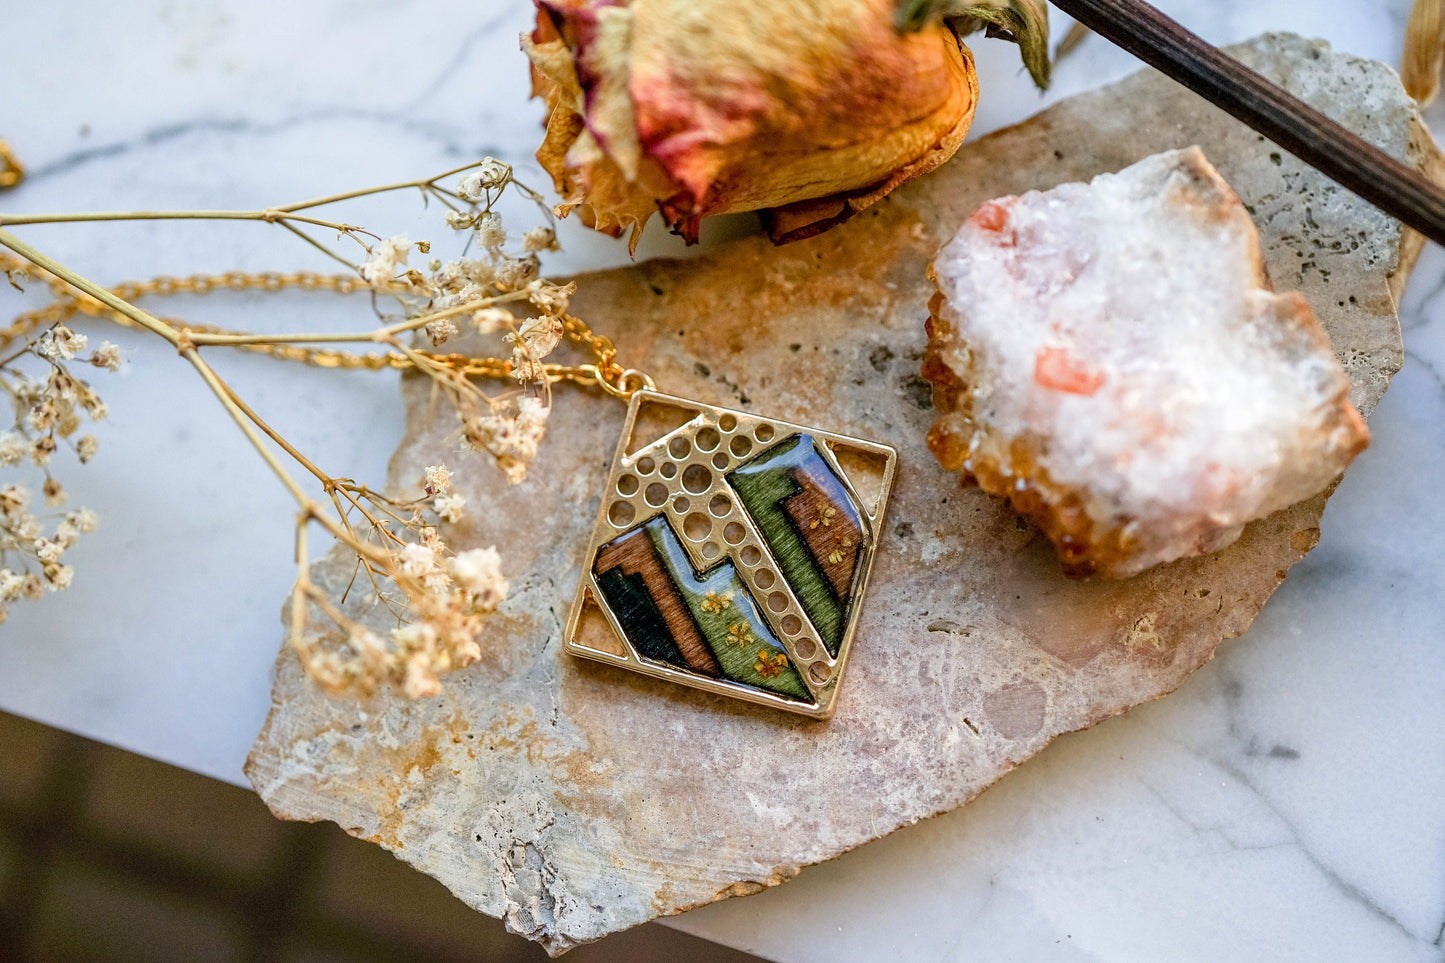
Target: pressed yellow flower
825,517
713,602
769,666
739,633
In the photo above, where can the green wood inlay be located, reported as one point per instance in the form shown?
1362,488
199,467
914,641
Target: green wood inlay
762,485
730,621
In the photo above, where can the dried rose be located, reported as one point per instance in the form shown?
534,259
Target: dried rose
807,111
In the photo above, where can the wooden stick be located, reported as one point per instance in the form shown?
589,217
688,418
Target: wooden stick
1292,124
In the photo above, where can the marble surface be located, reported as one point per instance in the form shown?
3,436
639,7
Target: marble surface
1285,804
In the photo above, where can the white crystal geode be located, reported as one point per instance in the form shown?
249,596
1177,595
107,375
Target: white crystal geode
1109,357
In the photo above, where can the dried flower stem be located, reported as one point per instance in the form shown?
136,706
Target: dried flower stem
245,419
441,597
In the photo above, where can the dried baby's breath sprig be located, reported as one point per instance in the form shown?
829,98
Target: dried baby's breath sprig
49,404
435,598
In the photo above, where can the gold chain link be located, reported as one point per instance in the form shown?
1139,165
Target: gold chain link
605,373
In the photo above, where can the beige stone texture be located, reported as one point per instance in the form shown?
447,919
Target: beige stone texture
573,799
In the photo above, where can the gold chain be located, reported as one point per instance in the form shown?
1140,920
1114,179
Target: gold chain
605,373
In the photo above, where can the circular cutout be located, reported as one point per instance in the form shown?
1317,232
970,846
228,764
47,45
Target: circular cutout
697,479
645,465
707,439
777,601
764,433
720,460
656,494
719,506
734,533
764,579
696,526
740,446
668,470
621,513
751,555
679,447
792,625
727,422
681,505
711,551
627,485
819,672
804,647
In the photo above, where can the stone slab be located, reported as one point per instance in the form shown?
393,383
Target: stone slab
573,800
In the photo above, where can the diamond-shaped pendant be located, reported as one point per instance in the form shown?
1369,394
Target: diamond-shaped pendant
732,552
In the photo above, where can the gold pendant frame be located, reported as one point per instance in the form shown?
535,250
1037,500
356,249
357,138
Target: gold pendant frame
680,472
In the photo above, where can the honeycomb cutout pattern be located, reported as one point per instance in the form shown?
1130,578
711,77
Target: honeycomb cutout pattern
732,554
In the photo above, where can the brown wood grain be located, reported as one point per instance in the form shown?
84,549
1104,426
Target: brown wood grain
635,555
823,539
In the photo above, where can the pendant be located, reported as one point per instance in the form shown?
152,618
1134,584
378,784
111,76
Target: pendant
731,553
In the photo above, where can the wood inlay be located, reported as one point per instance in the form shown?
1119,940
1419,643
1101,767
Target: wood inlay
829,532
633,555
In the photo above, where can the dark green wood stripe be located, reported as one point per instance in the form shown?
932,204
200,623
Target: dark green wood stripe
729,618
762,485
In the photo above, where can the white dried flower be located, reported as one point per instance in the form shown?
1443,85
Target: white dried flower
41,417
515,273
97,409
512,439
48,550
107,356
479,573
418,560
86,448
459,220
440,330
491,320
551,298
13,448
11,585
385,257
66,421
449,507
537,338
490,232
33,589
58,577
490,174
476,270
62,386
60,344
83,519
438,480
41,449
28,391
14,499
420,681
540,239
54,493
438,582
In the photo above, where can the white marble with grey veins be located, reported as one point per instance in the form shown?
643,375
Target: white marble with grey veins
1285,804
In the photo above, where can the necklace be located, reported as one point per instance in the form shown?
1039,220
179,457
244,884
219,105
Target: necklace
731,552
